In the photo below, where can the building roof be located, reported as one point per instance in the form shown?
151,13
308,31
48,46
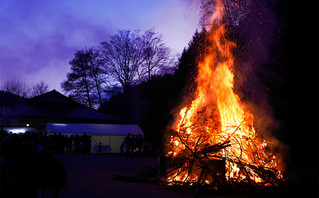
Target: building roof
53,97
95,129
55,106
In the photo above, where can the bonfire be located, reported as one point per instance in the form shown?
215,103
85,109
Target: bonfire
214,140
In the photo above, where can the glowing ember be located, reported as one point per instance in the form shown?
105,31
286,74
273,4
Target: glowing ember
217,130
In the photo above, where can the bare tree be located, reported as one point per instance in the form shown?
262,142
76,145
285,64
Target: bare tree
122,62
17,87
123,55
130,58
38,89
156,54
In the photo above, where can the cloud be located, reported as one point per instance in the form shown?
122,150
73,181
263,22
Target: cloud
37,35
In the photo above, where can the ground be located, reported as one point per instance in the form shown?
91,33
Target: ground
96,176
114,175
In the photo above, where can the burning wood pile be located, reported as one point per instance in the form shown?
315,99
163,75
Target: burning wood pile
214,140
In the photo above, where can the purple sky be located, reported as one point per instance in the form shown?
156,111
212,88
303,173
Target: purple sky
39,38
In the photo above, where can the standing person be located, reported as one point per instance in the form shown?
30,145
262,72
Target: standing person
100,148
60,143
77,144
123,145
68,144
133,143
72,143
53,140
128,143
139,143
86,143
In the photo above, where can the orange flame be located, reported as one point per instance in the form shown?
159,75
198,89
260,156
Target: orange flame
217,115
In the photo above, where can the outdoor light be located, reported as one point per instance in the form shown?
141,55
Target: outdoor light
59,124
18,131
27,125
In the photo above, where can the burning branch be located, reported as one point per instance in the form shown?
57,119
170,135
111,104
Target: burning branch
196,160
199,162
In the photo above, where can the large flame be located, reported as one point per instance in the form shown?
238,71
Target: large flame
217,116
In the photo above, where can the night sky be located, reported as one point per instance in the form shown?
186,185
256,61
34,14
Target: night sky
39,38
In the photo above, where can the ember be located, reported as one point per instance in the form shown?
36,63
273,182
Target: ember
217,129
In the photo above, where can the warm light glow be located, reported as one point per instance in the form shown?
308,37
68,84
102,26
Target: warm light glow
217,115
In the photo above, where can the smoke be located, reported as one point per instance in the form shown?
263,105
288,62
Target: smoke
256,73
234,11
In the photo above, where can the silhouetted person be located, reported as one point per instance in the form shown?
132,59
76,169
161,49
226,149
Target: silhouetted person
72,143
60,143
139,143
133,143
123,145
128,143
85,139
100,148
68,144
52,143
11,145
76,143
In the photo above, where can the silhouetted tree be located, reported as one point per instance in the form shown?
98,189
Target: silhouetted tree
15,86
79,84
156,55
38,89
97,72
123,55
130,58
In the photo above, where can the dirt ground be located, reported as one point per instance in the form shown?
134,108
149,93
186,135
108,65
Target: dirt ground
96,176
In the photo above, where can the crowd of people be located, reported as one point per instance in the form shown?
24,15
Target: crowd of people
57,143
134,144
60,144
